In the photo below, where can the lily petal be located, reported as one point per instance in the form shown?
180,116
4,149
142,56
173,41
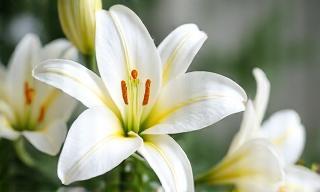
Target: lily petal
51,104
263,91
75,80
20,66
254,187
61,108
194,101
123,44
169,162
6,130
178,49
301,179
48,139
285,131
248,130
59,48
95,144
255,162
6,117
6,111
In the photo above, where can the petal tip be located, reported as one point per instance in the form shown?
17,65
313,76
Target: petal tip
61,175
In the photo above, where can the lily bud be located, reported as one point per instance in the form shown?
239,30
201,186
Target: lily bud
78,21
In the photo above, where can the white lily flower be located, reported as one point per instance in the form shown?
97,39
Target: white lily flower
300,179
27,106
143,95
285,131
251,163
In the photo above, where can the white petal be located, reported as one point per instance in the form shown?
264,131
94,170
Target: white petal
95,144
301,179
254,163
263,90
7,116
178,49
123,44
25,56
256,187
285,131
56,104
194,101
248,130
169,162
75,80
6,130
51,104
61,108
7,111
59,48
48,139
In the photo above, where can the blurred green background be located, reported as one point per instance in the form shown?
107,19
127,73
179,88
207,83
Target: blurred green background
281,37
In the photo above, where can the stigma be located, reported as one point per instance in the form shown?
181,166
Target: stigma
134,74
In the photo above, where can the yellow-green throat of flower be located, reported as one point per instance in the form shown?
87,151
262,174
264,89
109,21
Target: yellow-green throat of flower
134,99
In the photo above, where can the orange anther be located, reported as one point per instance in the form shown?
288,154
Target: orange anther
124,92
41,114
134,74
28,93
146,92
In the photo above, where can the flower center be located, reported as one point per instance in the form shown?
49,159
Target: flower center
34,113
29,94
135,99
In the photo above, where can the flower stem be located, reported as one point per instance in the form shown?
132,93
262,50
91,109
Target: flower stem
132,172
23,155
90,62
127,176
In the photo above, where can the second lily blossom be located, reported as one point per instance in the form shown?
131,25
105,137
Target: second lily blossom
28,107
143,94
262,170
286,132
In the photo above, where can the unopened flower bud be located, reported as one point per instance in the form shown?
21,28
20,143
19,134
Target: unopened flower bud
77,18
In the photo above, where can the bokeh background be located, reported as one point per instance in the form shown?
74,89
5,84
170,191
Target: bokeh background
280,36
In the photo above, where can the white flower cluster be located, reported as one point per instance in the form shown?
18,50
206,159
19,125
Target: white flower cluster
142,94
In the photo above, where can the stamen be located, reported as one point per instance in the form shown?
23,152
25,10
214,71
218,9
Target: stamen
41,114
146,92
134,74
28,93
48,101
124,92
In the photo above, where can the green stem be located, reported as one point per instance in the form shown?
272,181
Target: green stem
125,176
138,157
90,62
131,173
22,153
